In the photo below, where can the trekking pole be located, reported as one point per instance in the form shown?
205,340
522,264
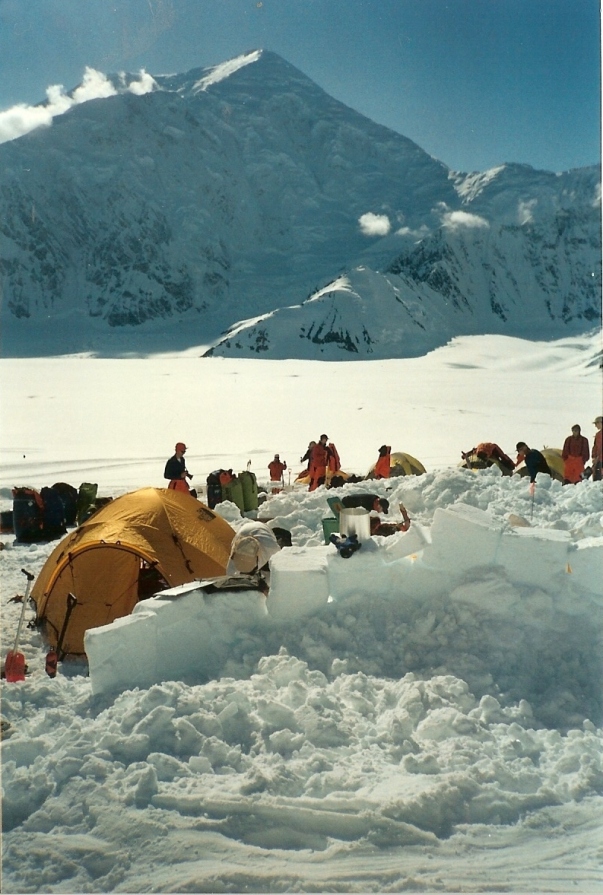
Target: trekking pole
14,665
532,492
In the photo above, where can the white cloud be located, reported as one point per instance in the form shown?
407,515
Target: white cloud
22,119
146,84
95,85
374,224
454,220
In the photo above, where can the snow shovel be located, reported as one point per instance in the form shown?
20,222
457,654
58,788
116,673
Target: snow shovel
14,664
53,655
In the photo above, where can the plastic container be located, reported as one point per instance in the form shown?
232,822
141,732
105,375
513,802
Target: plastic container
355,521
330,526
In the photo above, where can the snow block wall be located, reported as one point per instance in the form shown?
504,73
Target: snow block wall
467,559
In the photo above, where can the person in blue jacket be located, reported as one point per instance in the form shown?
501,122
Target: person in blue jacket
533,459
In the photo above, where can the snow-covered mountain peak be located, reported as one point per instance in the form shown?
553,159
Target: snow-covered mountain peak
181,207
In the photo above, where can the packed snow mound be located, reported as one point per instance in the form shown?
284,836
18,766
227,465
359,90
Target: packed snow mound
470,596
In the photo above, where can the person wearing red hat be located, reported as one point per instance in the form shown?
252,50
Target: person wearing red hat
176,471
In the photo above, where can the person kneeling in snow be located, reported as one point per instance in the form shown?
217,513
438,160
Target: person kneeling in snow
390,528
250,551
533,459
376,504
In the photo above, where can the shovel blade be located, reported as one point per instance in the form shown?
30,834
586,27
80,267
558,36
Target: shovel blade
14,667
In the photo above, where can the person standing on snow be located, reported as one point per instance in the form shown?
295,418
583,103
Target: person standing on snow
320,456
597,452
533,459
176,471
383,464
575,454
276,468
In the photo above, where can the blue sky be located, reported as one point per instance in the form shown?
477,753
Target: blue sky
476,83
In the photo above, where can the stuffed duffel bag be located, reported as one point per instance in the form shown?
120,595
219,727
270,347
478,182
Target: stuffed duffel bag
234,491
28,520
250,490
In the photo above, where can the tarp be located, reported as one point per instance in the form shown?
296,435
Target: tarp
129,549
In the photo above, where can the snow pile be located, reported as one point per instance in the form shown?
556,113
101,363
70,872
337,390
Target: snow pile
470,595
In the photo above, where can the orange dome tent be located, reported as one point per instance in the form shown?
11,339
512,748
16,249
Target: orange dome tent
136,545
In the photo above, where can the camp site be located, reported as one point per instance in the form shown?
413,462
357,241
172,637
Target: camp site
436,689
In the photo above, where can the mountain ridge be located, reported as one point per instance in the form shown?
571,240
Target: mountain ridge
241,190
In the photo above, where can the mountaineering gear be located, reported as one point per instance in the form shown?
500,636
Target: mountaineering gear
346,546
14,664
249,487
251,548
86,501
214,488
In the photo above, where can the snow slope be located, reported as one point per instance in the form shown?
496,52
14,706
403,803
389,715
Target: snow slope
405,737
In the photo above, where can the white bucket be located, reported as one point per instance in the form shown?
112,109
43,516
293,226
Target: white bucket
355,521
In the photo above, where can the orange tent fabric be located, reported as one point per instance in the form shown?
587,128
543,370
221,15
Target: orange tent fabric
163,534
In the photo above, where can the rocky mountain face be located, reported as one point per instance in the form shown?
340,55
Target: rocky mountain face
243,208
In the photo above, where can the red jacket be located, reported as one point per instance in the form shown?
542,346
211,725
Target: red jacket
319,456
277,468
382,466
597,453
576,446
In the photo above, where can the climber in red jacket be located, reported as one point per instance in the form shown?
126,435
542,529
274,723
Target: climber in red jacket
575,454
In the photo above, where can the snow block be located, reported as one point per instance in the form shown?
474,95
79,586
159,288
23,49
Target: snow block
585,566
404,543
534,556
462,537
299,584
179,632
363,574
123,654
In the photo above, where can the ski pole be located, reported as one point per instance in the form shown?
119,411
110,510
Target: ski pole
532,492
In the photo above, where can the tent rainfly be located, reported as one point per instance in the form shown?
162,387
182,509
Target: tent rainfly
133,547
